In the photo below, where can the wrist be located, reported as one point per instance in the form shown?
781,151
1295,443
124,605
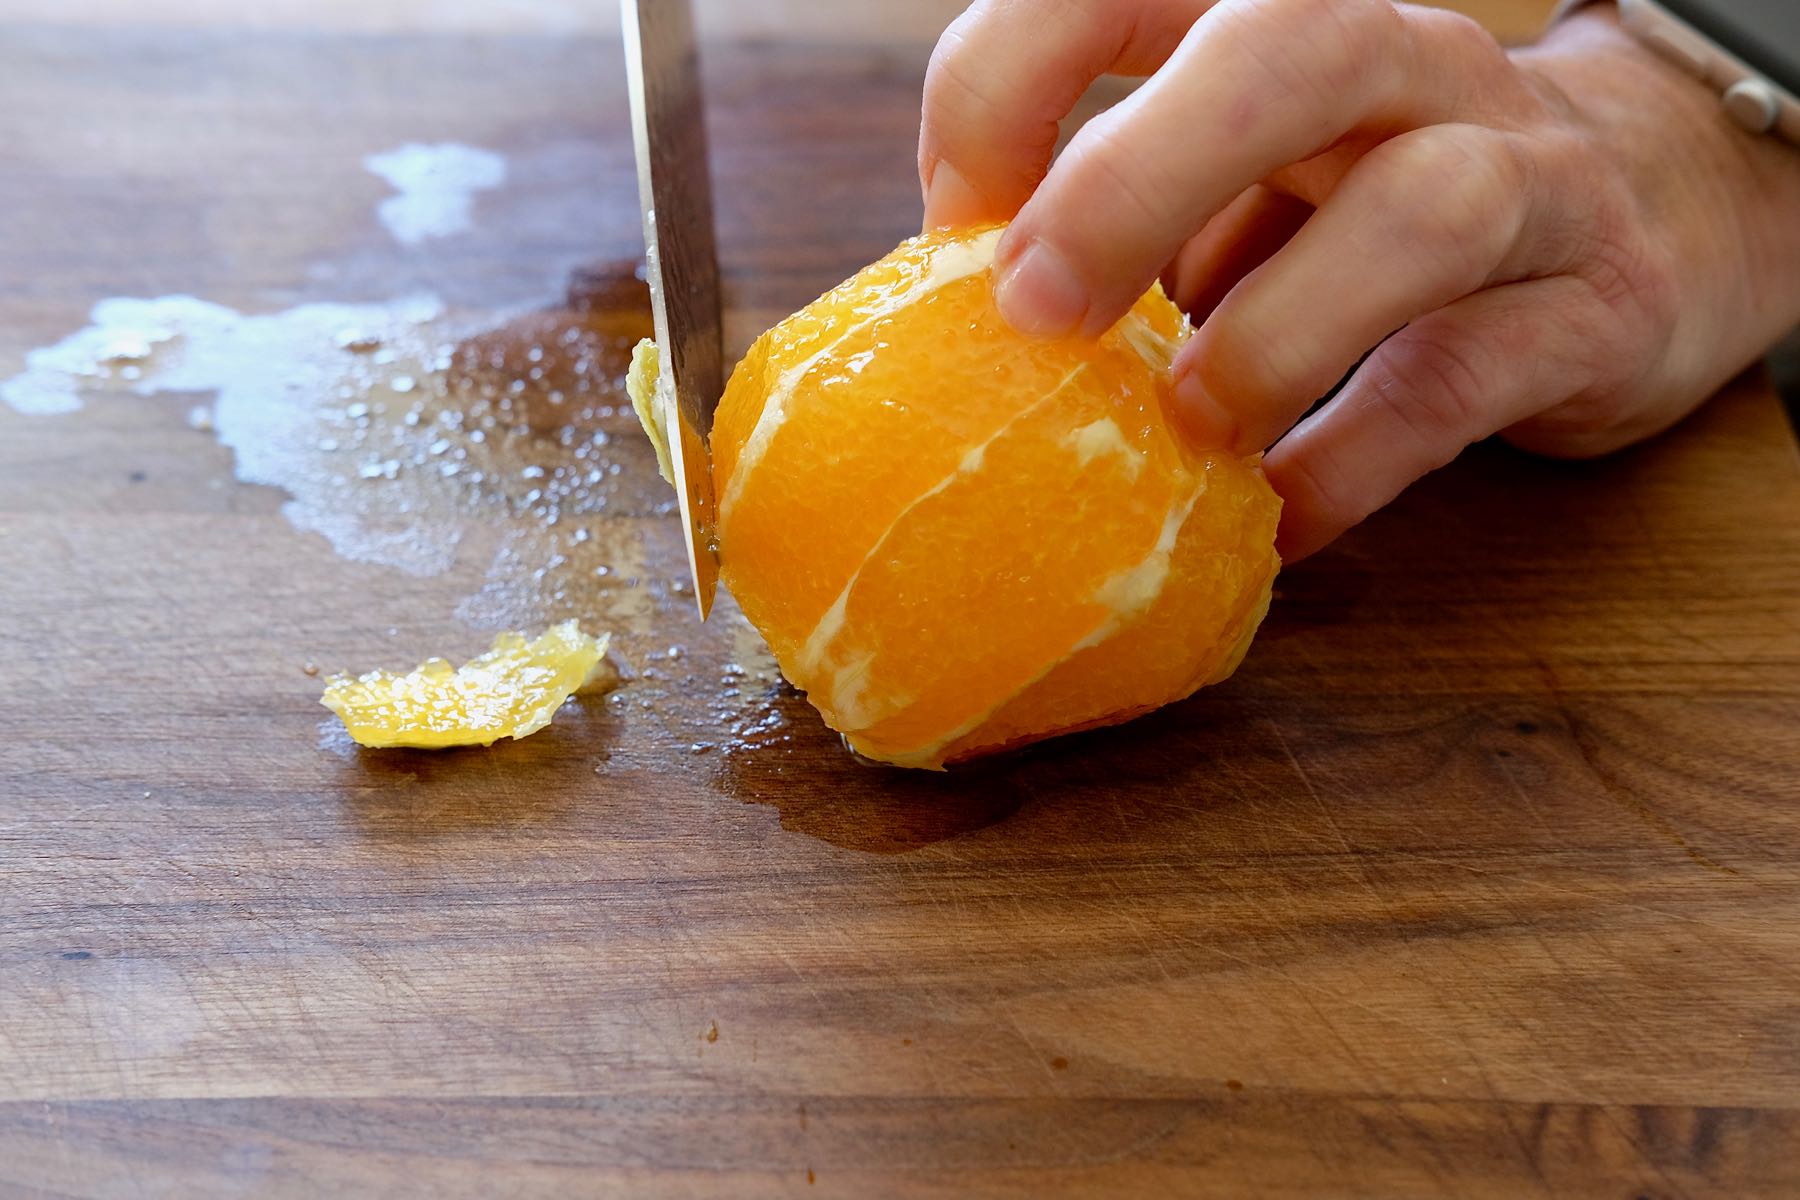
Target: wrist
1725,204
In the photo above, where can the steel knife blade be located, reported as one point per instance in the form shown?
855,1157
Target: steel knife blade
662,68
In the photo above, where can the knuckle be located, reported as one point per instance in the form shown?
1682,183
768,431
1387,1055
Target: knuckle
1596,228
1327,49
1459,51
952,42
952,78
1458,35
1634,281
1437,389
992,84
1601,392
993,34
1361,39
1457,200
1354,28
1370,26
1111,168
1319,485
1241,362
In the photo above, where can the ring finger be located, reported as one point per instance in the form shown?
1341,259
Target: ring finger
1423,220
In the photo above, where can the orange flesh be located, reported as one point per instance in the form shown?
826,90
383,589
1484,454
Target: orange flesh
957,539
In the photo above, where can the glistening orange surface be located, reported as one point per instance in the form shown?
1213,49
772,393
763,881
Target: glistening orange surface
511,691
957,539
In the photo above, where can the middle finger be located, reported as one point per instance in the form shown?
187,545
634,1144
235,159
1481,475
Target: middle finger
1423,220
1257,85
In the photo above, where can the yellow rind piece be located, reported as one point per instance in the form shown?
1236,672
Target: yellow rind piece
641,384
511,691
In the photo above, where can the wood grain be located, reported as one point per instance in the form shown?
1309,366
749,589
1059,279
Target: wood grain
1479,879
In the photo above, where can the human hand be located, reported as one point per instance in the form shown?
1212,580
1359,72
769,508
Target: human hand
1568,245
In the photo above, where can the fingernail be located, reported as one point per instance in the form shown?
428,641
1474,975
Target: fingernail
951,200
1201,417
1039,294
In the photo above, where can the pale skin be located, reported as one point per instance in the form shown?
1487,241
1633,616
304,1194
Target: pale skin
1567,245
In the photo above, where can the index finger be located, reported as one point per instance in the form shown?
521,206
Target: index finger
1003,76
1256,86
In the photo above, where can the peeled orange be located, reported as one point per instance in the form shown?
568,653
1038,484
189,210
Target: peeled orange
511,691
957,539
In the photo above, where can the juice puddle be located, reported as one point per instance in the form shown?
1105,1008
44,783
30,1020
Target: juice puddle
412,436
432,441
495,448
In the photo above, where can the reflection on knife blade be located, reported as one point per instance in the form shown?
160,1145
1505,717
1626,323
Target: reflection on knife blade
663,71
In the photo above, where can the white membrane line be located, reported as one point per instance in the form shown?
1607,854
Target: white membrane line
1104,437
950,263
831,624
1156,349
1131,592
1110,625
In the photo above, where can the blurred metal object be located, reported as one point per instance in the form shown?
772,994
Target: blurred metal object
662,66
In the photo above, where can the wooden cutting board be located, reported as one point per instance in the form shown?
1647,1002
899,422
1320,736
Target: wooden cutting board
1479,879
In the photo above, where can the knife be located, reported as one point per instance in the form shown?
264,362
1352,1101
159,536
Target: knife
662,68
